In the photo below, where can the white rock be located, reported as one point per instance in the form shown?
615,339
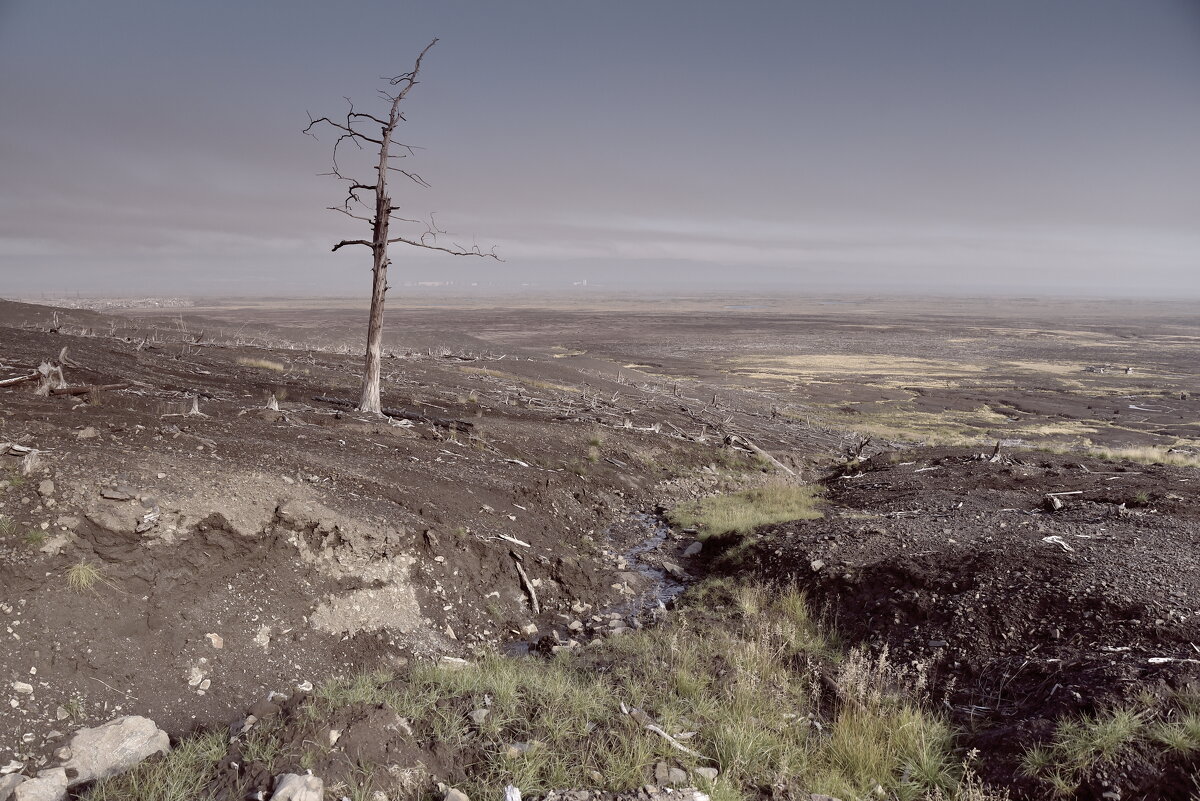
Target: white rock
294,787
113,748
8,784
50,785
22,687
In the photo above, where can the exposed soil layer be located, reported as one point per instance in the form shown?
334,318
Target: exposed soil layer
1026,613
241,549
238,549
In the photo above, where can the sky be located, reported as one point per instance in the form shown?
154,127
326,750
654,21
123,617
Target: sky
984,147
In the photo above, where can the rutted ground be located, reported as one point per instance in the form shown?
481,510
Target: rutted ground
242,549
231,549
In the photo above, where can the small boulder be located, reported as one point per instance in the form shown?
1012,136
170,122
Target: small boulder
50,785
113,748
9,783
676,777
46,488
709,774
455,795
294,787
88,433
693,549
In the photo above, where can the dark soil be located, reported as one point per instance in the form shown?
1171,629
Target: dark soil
245,550
942,555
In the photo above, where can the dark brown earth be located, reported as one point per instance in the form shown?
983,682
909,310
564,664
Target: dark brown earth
1026,614
312,541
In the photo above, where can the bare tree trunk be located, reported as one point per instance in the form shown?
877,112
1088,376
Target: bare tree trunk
370,402
370,399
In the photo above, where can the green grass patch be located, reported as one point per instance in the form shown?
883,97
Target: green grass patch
746,679
1145,730
181,775
742,512
753,690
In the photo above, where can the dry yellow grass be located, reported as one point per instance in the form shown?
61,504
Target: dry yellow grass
742,512
265,364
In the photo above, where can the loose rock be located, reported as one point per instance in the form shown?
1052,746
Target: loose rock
113,748
50,785
294,787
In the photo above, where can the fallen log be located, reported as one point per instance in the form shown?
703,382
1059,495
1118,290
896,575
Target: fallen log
86,388
533,599
737,439
404,414
8,382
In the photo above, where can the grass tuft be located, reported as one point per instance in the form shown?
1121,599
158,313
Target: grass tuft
180,775
83,575
265,364
742,512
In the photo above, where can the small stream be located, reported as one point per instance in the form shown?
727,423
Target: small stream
650,533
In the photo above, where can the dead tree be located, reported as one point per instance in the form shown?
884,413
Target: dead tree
358,130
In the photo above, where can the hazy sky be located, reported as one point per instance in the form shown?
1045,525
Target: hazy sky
962,145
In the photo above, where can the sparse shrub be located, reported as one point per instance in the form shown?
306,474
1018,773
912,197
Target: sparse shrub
35,538
8,526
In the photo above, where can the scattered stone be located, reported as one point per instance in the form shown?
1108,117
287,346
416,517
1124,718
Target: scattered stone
88,433
709,774
575,625
216,640
676,777
529,629
816,565
22,687
240,727
113,748
819,797
294,787
305,686
454,795
46,488
675,570
693,549
9,783
116,494
479,716
50,785
12,767
264,709
452,663
661,777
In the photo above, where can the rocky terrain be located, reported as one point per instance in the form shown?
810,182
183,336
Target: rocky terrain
197,529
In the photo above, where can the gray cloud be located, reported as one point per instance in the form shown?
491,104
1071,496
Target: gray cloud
849,145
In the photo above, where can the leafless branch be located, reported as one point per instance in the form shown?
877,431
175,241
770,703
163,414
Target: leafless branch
348,213
457,250
345,242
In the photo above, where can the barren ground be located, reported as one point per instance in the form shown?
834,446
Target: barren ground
244,550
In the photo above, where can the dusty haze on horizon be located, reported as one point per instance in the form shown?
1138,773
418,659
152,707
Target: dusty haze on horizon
929,145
